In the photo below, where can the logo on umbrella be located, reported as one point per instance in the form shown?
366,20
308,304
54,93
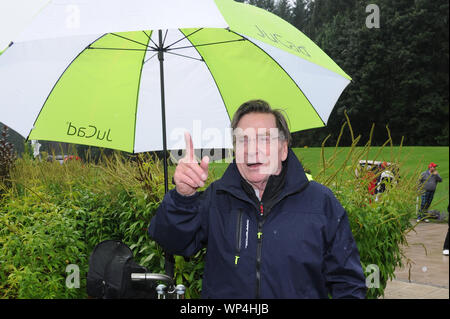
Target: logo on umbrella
274,37
88,132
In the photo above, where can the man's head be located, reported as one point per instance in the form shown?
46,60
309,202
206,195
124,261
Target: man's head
261,140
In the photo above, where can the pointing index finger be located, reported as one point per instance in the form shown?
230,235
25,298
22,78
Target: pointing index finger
189,147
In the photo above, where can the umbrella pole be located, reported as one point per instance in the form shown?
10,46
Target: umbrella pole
169,261
163,109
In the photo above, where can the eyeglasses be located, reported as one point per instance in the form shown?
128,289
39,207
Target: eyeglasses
260,139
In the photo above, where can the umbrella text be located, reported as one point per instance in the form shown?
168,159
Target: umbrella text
277,38
90,131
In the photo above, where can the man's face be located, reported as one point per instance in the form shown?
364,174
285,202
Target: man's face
432,169
259,150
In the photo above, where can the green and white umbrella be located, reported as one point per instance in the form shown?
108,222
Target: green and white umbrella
122,74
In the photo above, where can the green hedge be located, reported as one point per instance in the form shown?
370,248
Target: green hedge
54,215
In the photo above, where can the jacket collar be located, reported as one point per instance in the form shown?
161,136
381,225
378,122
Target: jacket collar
295,178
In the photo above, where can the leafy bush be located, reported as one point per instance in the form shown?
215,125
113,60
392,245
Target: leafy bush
38,240
54,215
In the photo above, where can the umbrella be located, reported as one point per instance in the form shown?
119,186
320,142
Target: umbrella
125,72
135,75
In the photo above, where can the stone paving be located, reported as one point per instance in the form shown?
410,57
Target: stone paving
427,276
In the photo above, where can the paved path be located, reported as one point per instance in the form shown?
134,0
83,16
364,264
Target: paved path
428,277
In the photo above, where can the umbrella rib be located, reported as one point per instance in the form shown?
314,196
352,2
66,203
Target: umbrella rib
185,56
150,39
165,35
128,39
124,49
186,36
150,57
205,44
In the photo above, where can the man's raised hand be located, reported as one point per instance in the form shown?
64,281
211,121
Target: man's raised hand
189,174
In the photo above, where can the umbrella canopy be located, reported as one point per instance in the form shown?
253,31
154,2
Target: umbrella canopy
89,72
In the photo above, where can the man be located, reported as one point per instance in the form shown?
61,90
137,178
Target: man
269,232
428,183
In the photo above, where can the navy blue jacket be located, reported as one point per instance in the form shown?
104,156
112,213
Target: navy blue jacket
302,248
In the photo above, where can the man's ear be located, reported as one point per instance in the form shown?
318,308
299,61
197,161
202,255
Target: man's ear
284,150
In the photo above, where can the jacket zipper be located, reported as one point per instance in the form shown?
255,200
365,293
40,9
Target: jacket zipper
259,250
238,237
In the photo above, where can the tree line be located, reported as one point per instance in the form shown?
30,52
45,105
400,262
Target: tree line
399,66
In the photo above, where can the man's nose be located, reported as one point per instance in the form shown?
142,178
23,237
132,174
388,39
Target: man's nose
252,146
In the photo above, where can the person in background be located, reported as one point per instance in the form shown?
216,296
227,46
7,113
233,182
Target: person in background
428,183
386,178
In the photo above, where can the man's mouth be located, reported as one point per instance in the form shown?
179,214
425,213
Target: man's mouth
254,165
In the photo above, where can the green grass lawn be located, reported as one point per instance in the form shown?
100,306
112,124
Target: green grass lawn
413,160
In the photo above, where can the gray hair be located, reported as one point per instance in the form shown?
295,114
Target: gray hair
260,106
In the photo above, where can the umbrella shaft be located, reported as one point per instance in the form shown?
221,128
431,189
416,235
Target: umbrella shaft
163,109
169,261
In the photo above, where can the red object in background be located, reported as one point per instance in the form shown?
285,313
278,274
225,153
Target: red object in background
373,182
372,187
71,157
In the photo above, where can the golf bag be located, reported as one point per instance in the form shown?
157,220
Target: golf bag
109,277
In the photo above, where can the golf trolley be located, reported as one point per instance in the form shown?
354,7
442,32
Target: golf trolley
113,274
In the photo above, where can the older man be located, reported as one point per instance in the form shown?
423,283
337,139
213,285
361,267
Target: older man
269,232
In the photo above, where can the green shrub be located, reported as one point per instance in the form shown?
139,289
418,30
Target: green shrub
54,215
38,240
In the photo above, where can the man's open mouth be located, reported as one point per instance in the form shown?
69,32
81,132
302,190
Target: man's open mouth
254,164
